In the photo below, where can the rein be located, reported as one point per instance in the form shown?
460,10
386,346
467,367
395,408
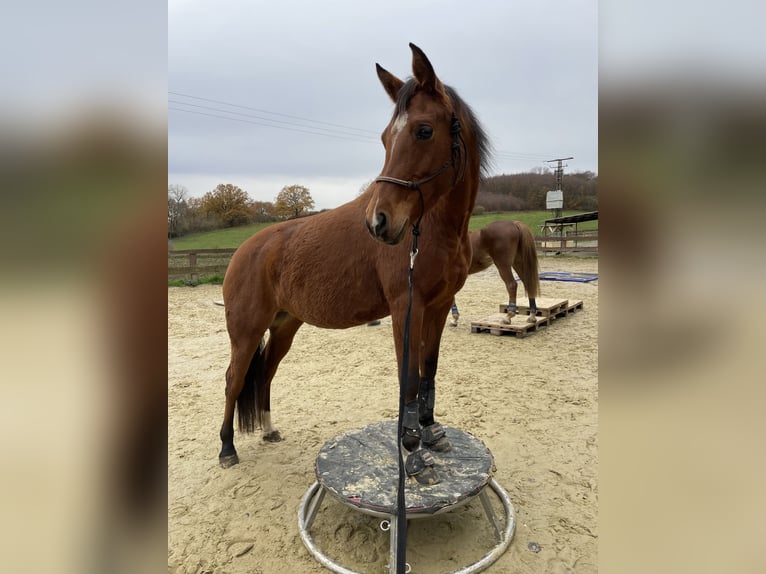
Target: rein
455,159
401,510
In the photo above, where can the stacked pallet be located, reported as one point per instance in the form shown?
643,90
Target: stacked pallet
548,310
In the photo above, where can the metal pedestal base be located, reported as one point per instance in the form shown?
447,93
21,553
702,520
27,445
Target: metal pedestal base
345,462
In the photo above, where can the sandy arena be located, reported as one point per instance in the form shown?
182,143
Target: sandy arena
533,401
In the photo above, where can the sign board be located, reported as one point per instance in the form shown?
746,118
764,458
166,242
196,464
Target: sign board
554,199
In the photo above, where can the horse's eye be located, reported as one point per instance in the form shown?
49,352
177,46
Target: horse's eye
424,133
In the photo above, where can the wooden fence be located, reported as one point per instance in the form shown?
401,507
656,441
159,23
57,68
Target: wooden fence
195,263
584,241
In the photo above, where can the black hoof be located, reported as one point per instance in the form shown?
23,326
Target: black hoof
441,445
420,466
428,476
273,436
434,438
228,460
411,443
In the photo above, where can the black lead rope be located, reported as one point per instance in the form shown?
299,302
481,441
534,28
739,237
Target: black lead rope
401,511
455,162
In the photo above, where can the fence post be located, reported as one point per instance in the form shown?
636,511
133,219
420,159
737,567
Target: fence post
193,275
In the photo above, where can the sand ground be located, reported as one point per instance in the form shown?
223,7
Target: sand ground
532,401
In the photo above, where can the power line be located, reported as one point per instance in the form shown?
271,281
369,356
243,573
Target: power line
273,121
519,156
376,134
241,120
302,128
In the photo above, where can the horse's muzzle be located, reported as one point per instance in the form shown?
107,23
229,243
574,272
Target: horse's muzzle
381,230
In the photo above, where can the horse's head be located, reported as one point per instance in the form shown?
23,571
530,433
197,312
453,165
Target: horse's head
423,151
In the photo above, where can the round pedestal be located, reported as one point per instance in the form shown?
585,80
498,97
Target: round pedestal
360,469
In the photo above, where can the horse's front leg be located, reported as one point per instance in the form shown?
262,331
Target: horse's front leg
432,434
419,462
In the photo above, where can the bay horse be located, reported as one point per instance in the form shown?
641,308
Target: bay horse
510,245
349,266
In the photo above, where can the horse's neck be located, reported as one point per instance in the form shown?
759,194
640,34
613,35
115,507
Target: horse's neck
458,205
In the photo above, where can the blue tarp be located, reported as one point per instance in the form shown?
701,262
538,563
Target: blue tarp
567,276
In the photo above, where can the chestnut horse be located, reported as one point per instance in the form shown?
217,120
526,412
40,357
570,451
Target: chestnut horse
509,245
350,265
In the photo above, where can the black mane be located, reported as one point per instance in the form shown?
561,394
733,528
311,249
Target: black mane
463,111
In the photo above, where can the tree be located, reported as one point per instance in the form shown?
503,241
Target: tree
227,203
293,201
527,191
262,211
177,208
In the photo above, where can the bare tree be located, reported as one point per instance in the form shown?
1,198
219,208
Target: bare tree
262,211
177,207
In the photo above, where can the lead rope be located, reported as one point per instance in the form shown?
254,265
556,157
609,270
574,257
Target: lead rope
401,510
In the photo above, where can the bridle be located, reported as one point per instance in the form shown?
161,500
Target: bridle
457,158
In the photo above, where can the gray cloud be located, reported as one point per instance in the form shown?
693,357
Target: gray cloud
530,73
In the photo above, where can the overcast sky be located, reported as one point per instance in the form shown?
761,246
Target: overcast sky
269,94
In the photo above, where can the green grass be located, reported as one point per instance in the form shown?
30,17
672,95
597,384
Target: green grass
233,236
216,279
533,219
218,238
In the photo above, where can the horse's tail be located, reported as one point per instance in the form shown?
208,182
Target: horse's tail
250,400
526,261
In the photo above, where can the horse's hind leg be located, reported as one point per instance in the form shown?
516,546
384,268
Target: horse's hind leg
246,360
455,314
282,333
506,272
532,311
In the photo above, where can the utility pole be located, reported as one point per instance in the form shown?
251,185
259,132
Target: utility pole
559,177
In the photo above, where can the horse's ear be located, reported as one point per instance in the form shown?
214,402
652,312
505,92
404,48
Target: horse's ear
424,72
391,83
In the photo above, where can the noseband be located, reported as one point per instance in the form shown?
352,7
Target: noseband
455,156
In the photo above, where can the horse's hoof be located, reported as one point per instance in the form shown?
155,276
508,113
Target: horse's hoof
506,320
410,442
531,319
229,460
434,439
441,445
272,436
428,476
420,466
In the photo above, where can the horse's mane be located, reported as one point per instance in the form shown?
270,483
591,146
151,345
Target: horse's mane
463,111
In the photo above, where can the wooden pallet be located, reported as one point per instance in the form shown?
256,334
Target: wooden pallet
518,327
548,308
547,311
576,306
